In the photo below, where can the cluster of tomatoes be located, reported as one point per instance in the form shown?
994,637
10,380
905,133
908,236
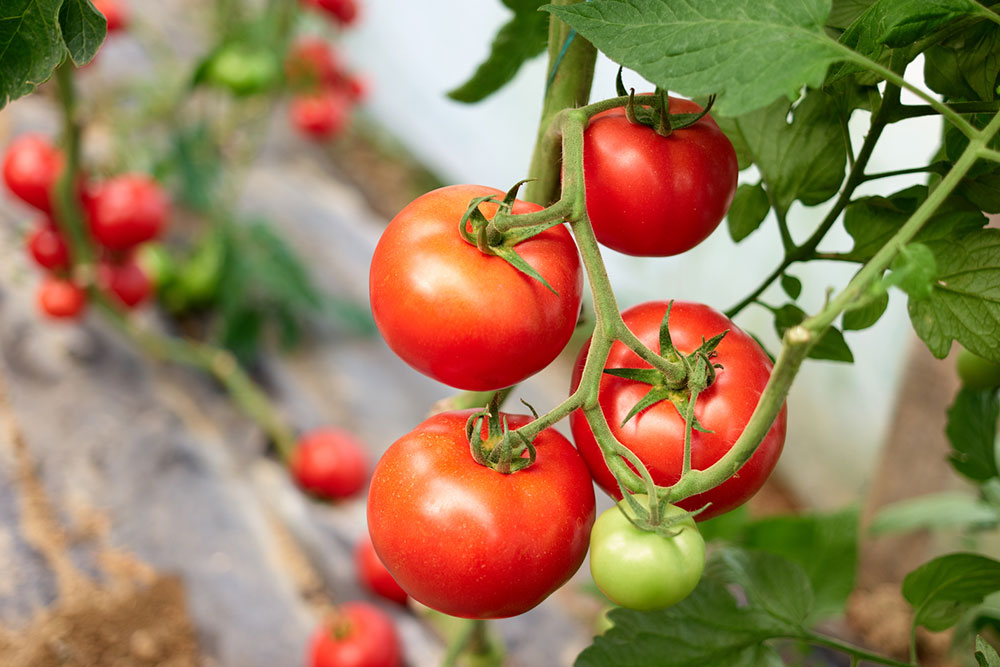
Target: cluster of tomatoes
121,214
476,542
324,90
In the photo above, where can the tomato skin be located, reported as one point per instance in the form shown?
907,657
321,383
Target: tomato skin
345,12
373,575
47,246
330,463
977,372
127,210
61,299
472,542
31,167
127,282
656,435
655,196
464,318
642,570
114,12
322,114
358,635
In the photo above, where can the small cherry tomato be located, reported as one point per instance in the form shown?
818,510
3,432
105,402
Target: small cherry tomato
61,299
330,463
311,64
47,246
357,634
345,12
372,573
243,70
127,210
115,12
977,372
31,167
643,570
654,196
126,281
321,115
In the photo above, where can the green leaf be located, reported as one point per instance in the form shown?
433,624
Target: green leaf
750,54
913,271
799,160
938,511
868,313
522,38
972,431
83,29
748,210
966,65
844,12
943,589
986,655
791,285
982,190
823,545
964,304
831,346
771,583
31,45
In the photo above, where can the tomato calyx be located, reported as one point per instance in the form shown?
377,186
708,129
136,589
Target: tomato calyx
491,241
651,514
501,449
656,115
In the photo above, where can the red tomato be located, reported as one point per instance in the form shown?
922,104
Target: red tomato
311,64
127,210
465,318
656,435
322,115
61,299
472,542
330,463
373,575
356,87
357,635
654,196
47,246
115,12
31,167
344,11
127,282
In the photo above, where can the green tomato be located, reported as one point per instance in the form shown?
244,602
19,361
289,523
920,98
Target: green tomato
243,70
643,570
977,372
157,262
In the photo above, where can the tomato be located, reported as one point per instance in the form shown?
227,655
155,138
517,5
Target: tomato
469,541
330,463
243,70
312,64
127,210
127,282
115,12
656,435
640,569
157,263
47,246
977,372
356,635
344,11
373,575
321,115
61,299
31,168
465,318
654,196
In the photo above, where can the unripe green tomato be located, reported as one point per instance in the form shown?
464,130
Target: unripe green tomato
157,262
643,570
198,278
243,70
977,372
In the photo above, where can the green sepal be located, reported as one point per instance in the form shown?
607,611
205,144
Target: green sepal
511,196
658,392
519,263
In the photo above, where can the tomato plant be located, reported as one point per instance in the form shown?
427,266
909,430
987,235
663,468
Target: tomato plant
440,521
357,634
47,246
127,210
464,317
644,570
330,463
372,573
656,434
654,195
31,167
60,298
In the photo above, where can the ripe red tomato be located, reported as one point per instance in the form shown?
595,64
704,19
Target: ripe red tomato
465,318
322,115
312,64
654,196
469,541
115,12
356,635
61,299
656,435
31,167
373,575
330,463
47,246
127,210
127,282
344,11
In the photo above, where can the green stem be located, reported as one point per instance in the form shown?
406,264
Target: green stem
855,652
69,217
916,110
899,172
